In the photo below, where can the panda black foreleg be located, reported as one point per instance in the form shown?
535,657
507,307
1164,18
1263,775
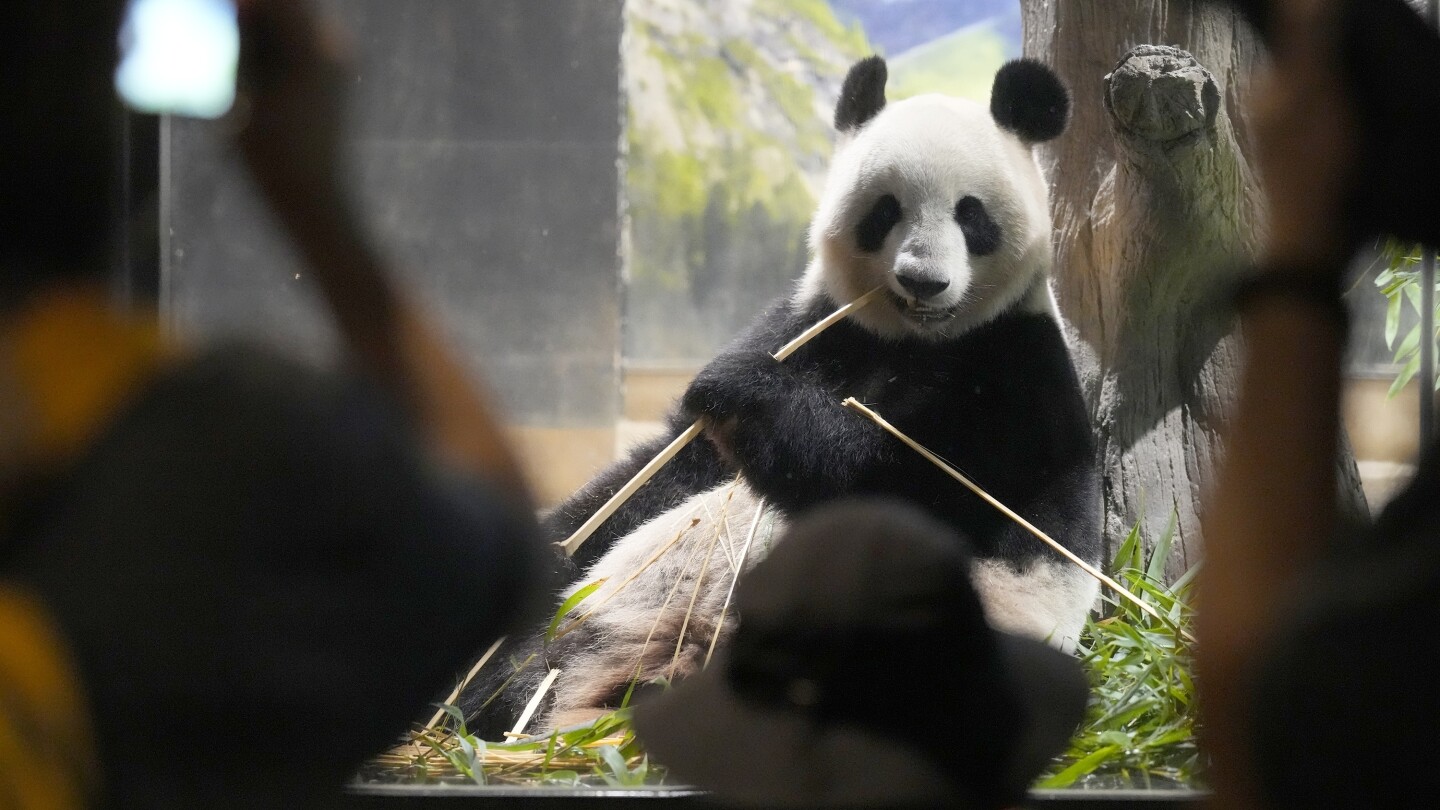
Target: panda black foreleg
1066,505
787,432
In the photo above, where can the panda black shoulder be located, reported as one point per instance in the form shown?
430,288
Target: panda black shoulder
1033,341
782,320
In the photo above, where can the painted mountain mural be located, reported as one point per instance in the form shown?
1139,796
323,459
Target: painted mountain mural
728,136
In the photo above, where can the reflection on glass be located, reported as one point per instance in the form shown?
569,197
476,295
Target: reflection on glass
179,56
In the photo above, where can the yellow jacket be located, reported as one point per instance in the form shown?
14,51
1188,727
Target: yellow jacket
68,363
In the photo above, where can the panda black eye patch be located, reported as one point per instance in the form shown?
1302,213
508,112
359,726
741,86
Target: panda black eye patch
982,234
871,232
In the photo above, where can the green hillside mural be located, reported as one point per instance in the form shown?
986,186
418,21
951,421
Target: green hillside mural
962,63
728,136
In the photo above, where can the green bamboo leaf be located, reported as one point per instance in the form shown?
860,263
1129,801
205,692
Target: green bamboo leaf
568,778
642,771
549,751
1185,579
569,604
618,772
1405,375
629,691
1161,553
1392,322
1119,738
1083,767
471,758
1410,344
1125,555
454,713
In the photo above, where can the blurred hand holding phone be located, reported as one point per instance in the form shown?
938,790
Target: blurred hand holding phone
179,57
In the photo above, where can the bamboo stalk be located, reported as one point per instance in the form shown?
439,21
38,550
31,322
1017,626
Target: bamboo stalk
827,322
463,681
852,403
721,527
623,494
673,449
739,568
535,701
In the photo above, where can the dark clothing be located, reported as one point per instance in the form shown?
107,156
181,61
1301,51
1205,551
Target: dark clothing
1347,706
263,579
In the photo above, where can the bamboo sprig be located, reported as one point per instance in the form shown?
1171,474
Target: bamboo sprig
852,403
518,761
673,449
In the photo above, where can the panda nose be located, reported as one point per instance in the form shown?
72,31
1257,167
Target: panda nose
922,288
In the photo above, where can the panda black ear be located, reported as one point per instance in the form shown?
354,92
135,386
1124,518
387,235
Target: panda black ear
1029,100
862,96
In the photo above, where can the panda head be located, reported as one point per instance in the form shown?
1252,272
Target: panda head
940,201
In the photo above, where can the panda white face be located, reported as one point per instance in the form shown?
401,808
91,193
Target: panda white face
933,200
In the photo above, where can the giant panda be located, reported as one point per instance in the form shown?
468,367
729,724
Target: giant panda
939,201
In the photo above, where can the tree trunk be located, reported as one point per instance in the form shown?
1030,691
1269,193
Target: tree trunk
1153,203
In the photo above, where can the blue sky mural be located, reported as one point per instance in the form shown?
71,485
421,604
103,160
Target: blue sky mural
951,46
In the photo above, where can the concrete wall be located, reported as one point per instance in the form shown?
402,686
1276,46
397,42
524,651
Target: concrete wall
485,141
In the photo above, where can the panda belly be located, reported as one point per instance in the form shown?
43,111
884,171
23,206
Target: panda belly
662,604
1047,601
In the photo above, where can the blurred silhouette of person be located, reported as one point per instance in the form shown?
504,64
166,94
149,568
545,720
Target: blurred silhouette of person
225,580
835,688
1314,672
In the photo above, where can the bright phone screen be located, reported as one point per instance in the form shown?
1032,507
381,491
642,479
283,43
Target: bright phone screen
179,57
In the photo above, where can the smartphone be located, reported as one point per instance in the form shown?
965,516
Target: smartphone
178,57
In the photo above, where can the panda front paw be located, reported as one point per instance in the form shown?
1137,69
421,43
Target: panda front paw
733,395
732,385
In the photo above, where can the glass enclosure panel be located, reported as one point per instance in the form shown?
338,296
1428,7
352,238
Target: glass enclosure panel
1382,419
594,196
484,149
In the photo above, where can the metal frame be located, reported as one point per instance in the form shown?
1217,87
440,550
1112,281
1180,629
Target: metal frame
1427,315
136,279
456,797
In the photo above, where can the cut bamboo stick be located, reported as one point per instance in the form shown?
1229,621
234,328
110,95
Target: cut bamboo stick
721,528
739,568
852,403
827,322
673,449
534,702
623,494
463,681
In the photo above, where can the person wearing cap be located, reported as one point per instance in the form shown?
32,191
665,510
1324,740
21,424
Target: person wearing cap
832,691
225,580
